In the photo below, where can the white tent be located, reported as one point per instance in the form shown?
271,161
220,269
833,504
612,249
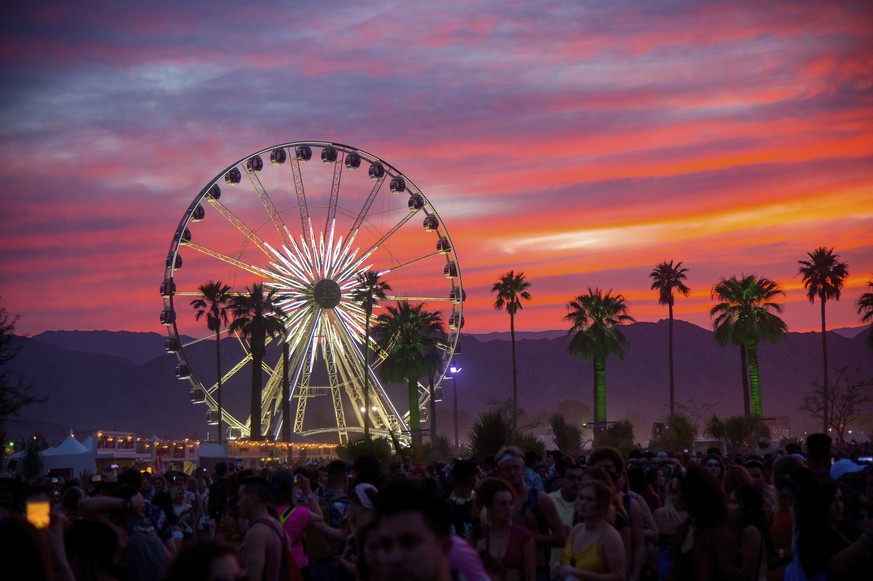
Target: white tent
69,454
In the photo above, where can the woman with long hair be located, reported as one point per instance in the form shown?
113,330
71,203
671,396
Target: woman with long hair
707,549
745,510
594,549
506,548
670,519
822,551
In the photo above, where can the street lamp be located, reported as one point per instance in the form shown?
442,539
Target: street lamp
454,370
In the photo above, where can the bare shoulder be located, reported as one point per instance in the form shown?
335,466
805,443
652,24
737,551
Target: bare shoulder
751,535
260,533
545,500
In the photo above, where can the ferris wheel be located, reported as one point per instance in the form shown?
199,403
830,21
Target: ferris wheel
305,219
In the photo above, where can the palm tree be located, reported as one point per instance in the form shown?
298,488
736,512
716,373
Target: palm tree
595,319
256,316
511,289
666,278
369,292
213,303
411,336
865,309
745,317
823,277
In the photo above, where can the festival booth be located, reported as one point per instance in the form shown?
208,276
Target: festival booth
258,453
68,459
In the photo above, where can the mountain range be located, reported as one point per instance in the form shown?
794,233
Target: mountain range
125,380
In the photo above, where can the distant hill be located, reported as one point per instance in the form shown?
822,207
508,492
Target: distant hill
122,380
136,347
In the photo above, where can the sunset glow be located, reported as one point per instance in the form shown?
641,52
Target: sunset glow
578,142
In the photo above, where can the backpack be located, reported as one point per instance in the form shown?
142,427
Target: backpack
216,502
316,545
533,502
288,570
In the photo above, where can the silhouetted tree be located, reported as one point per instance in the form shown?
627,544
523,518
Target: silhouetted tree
14,391
667,278
865,309
369,292
511,289
411,337
256,316
595,319
213,304
744,318
823,277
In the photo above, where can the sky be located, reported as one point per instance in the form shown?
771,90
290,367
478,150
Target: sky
578,142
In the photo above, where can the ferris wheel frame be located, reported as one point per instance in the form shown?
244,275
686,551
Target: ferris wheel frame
343,356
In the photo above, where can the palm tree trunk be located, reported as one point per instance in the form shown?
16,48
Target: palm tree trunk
514,376
433,412
754,378
218,390
600,389
747,409
670,358
255,425
414,416
367,314
826,420
286,393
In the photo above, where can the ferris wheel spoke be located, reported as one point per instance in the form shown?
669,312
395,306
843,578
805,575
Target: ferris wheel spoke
349,338
305,221
334,190
239,225
256,270
374,191
391,232
268,205
409,263
418,299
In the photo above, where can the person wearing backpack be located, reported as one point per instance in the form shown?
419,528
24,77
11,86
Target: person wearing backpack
534,509
298,510
324,542
266,548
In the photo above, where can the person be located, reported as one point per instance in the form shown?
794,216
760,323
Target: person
670,519
745,512
216,501
265,543
91,548
714,464
761,480
707,549
818,455
334,501
413,531
183,511
298,510
507,549
642,525
461,500
821,550
782,527
156,516
565,498
594,549
143,555
621,519
534,509
204,560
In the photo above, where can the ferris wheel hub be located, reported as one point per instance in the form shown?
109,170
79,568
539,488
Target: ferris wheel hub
327,293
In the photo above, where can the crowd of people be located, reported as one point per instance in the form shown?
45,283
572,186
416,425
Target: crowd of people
793,514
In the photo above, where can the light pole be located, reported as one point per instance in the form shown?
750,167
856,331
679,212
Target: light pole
455,371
